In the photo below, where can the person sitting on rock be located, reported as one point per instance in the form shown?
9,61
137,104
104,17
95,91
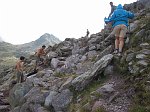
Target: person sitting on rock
119,20
19,68
39,55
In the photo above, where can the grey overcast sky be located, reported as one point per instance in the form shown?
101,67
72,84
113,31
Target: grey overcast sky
22,21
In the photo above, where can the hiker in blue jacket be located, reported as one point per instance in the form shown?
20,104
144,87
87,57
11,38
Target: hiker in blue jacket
119,20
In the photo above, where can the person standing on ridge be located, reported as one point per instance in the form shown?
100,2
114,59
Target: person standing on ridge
87,33
19,68
119,19
113,7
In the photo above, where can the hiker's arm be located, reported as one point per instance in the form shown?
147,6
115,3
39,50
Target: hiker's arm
130,15
112,17
44,53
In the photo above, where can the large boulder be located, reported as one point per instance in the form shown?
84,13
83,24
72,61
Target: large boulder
18,92
62,100
49,99
80,82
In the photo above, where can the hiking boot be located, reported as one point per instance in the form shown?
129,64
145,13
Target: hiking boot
116,51
119,54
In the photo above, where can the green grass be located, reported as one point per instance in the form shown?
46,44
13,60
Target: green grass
138,108
64,75
101,109
85,96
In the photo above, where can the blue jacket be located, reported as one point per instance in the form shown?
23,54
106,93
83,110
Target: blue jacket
119,16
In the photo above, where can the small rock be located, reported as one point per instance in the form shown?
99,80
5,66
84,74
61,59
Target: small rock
130,57
142,62
108,88
140,56
144,45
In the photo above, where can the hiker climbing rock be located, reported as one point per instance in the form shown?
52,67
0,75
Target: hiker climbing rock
119,19
19,68
39,55
113,7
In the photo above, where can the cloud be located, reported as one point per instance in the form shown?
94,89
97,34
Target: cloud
1,40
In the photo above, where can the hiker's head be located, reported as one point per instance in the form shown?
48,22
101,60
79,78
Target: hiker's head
43,46
119,6
111,3
22,58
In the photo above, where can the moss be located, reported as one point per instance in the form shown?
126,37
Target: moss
63,75
138,108
94,58
101,109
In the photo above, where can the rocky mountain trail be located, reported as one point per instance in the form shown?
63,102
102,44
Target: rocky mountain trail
83,75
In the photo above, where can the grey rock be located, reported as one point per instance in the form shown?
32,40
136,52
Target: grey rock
42,109
92,48
91,54
62,100
140,56
52,55
83,67
84,79
54,63
67,84
83,58
65,49
18,92
106,89
109,70
4,108
145,51
134,26
142,62
134,69
130,57
72,61
49,98
140,33
32,92
144,45
34,107
38,98
106,51
98,47
95,39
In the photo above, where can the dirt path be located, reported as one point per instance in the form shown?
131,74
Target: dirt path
118,101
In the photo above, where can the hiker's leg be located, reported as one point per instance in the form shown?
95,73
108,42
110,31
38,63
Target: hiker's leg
116,33
117,43
18,77
121,43
121,37
22,78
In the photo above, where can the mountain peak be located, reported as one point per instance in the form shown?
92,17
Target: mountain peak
48,38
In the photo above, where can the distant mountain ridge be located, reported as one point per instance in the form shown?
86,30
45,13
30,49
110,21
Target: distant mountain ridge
9,50
46,39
